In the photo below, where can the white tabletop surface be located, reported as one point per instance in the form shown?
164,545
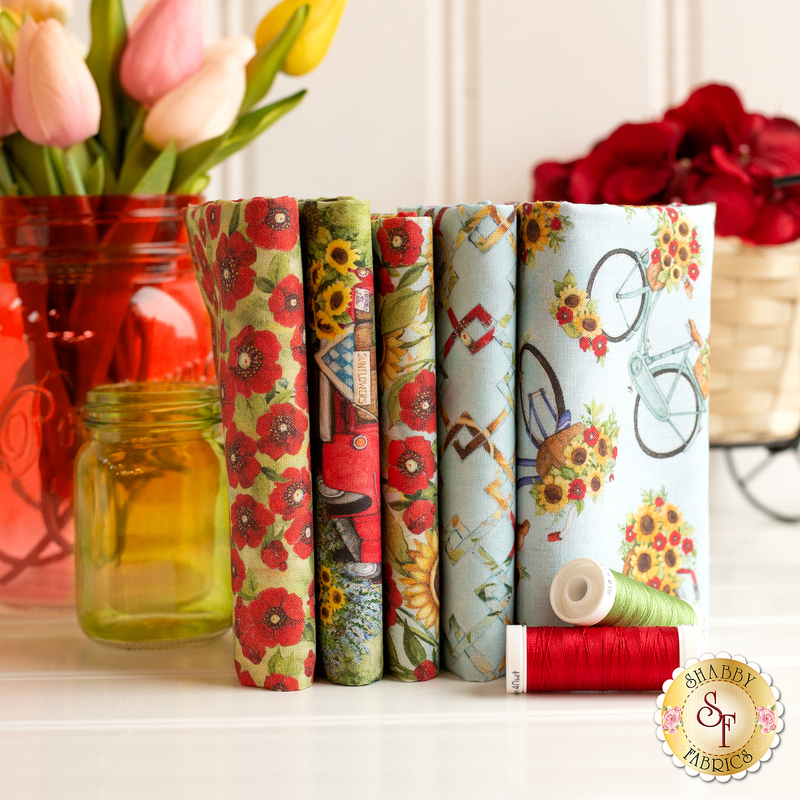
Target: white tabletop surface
81,720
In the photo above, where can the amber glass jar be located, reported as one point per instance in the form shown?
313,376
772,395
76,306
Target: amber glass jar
151,516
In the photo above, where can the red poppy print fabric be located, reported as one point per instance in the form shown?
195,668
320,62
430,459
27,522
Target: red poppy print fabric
403,252
248,263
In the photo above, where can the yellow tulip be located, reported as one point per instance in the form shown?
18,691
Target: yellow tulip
314,38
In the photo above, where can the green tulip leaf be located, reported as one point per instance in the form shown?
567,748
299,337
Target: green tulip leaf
266,63
7,183
35,164
194,161
9,30
95,178
109,35
157,178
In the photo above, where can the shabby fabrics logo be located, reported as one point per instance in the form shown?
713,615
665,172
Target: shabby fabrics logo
719,717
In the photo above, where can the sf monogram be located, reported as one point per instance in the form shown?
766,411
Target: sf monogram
720,718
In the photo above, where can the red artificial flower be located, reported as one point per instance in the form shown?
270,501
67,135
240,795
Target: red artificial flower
688,545
245,678
293,494
660,541
411,464
281,683
300,534
694,272
286,302
551,180
393,597
600,345
585,343
400,241
274,555
212,219
235,255
564,315
577,489
238,571
281,430
253,361
674,538
420,516
630,533
240,450
655,583
425,671
591,436
418,402
308,664
274,619
249,521
273,222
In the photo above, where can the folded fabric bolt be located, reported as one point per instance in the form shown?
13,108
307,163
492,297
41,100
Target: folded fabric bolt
248,264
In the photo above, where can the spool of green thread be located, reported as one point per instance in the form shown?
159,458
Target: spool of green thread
584,592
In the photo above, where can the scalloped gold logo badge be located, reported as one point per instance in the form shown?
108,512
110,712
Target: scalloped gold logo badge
719,717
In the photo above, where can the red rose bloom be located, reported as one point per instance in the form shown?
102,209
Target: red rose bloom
600,345
674,538
660,541
411,464
292,494
235,255
418,402
281,430
630,533
238,572
274,619
245,678
591,436
688,545
393,597
240,449
253,361
300,534
425,671
564,315
212,219
420,516
308,664
400,241
281,683
585,343
274,555
273,222
577,490
286,302
249,521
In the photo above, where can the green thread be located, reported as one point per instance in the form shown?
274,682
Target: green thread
637,604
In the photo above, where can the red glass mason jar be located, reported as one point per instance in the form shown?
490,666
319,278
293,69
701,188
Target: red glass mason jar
93,290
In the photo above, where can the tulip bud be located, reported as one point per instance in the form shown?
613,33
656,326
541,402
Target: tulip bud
42,9
53,95
165,47
202,107
315,37
7,124
239,47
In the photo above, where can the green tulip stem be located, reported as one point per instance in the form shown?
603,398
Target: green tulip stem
67,170
7,183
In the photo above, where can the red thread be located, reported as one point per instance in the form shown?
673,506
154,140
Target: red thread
601,659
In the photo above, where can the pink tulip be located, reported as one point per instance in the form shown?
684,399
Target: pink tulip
202,107
7,124
53,95
165,47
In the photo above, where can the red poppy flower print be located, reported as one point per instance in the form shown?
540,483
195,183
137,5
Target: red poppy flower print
281,430
655,256
311,602
293,494
564,315
694,271
577,489
418,402
281,683
249,521
301,388
203,228
273,222
308,664
274,619
600,345
425,671
245,678
674,538
238,572
300,535
227,393
274,555
400,241
585,343
240,450
235,256
659,502
660,541
411,464
393,597
555,224
672,214
212,219
630,533
286,302
385,285
655,583
591,435
253,360
420,516
688,545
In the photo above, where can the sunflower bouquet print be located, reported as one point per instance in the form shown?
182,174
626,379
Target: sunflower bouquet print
577,315
403,252
676,257
542,226
337,253
247,260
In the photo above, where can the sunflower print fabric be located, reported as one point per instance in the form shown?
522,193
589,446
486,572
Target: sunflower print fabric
403,251
612,380
337,255
247,259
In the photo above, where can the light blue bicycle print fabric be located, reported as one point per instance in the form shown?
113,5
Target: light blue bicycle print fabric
612,396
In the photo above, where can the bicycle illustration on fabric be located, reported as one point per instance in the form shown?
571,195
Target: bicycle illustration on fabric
574,460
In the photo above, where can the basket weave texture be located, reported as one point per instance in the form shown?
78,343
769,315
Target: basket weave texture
755,337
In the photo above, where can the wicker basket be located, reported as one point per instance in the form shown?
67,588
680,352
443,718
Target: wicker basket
755,336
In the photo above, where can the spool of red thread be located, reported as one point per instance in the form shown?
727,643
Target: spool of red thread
597,659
